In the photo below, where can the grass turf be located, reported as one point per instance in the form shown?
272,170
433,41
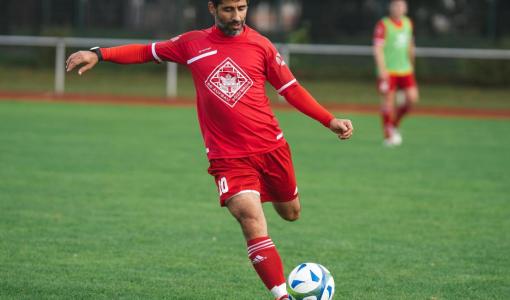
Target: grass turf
114,202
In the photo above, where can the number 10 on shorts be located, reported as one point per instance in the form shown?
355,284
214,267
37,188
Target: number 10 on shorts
222,186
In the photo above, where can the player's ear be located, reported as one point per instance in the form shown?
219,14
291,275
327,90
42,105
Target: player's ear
212,9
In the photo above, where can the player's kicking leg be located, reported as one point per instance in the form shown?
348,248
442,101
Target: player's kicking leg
247,209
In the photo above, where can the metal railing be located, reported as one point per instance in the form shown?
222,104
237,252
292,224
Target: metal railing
61,44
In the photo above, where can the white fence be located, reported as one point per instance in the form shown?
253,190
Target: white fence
60,44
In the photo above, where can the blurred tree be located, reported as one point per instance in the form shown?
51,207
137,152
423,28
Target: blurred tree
79,11
492,19
457,22
333,19
4,16
203,18
503,19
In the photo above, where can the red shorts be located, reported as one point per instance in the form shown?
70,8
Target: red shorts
396,82
271,175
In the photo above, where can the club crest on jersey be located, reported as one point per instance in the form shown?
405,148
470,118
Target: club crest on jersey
228,82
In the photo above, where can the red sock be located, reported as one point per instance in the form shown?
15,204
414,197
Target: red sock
387,118
268,264
401,112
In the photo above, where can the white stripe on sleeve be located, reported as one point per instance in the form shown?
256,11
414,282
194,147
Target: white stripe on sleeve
283,88
156,57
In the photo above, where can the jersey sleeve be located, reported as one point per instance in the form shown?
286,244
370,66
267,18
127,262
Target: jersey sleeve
277,71
301,99
171,50
127,54
379,33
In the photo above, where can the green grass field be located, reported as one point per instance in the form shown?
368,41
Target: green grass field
114,202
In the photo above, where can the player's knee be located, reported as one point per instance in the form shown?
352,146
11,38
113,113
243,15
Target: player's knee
292,214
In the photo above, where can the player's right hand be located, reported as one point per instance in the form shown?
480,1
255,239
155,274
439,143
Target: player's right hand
88,58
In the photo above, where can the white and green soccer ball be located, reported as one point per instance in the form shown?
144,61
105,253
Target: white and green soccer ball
310,281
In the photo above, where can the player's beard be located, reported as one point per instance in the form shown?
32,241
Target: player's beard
228,27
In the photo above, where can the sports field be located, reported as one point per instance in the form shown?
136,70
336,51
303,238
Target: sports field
114,202
149,81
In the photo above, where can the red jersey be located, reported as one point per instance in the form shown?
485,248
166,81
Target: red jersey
229,73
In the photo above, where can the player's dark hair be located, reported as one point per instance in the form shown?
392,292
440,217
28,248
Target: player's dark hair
218,2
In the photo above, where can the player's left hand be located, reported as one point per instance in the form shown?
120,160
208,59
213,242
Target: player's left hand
87,58
342,127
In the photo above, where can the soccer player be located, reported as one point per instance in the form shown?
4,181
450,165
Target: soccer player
394,51
248,155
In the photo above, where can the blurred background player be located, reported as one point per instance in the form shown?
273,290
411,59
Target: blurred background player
394,51
248,154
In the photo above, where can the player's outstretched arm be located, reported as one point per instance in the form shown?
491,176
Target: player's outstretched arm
127,54
86,58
